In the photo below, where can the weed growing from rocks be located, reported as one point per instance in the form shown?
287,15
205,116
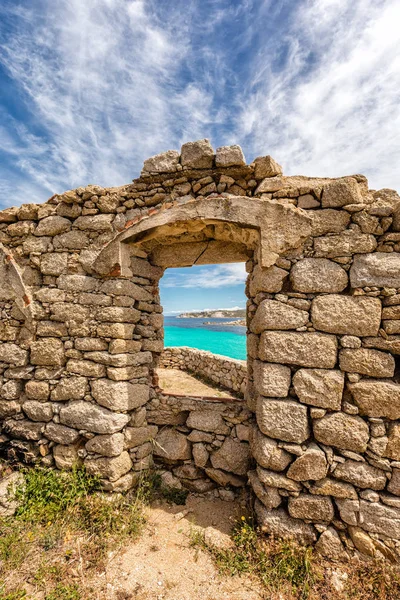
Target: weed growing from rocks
295,572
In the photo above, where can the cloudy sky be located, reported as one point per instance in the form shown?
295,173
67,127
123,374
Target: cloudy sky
90,88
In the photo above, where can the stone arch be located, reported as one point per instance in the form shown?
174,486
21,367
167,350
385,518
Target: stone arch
279,228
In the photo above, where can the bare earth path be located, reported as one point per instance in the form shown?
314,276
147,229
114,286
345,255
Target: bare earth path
163,566
179,382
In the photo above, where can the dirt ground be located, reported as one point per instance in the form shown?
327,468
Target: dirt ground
161,565
180,382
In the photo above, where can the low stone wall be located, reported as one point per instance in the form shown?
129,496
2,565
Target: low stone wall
204,443
228,373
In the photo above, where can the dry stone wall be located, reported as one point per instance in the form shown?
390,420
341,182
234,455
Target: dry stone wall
225,372
203,443
81,332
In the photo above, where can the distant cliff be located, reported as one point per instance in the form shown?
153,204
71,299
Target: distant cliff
214,314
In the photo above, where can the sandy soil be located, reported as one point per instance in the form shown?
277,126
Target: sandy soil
180,382
163,566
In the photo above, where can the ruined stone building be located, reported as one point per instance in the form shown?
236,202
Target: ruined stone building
317,435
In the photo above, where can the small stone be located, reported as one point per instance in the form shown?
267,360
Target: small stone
109,468
107,445
269,496
278,523
166,162
277,480
312,465
330,545
66,457
311,508
266,166
350,341
206,420
331,487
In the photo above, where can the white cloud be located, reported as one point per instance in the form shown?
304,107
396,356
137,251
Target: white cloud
217,276
334,108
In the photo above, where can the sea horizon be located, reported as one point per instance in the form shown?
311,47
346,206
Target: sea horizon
219,338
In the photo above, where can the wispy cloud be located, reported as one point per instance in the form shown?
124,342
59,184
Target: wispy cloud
218,276
94,87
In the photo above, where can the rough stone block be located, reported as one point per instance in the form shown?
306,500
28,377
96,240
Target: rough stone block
377,398
312,465
207,420
119,395
311,508
122,331
271,380
165,162
272,314
393,445
197,155
319,387
331,487
107,445
87,368
347,315
37,390
283,419
328,220
136,436
380,269
361,475
117,314
312,275
172,445
90,417
233,456
54,263
52,226
296,348
266,451
61,434
71,388
340,193
279,524
109,468
66,457
346,243
48,352
38,411
342,431
229,156
266,166
13,355
367,362
267,280
123,287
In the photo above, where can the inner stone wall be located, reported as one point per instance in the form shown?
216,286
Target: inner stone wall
81,331
225,372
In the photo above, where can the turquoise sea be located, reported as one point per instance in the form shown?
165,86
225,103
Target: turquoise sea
228,340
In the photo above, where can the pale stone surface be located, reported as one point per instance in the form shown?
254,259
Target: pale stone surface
278,523
116,314
172,445
340,193
302,349
271,380
377,398
87,368
66,457
206,420
312,275
13,355
361,474
267,280
331,487
197,155
328,221
110,468
346,243
393,445
277,480
367,362
381,269
48,352
377,518
350,315
233,456
269,496
319,387
200,454
122,287
229,156
394,484
38,411
119,395
52,226
266,451
71,388
311,508
330,545
266,166
283,419
107,445
342,431
312,465
272,314
84,415
136,436
165,162
61,434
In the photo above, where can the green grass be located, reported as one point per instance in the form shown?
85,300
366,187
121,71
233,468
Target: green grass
274,565
64,523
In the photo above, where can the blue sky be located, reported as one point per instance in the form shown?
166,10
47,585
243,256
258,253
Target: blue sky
90,88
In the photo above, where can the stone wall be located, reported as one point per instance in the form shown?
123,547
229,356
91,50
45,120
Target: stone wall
203,442
81,331
226,372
